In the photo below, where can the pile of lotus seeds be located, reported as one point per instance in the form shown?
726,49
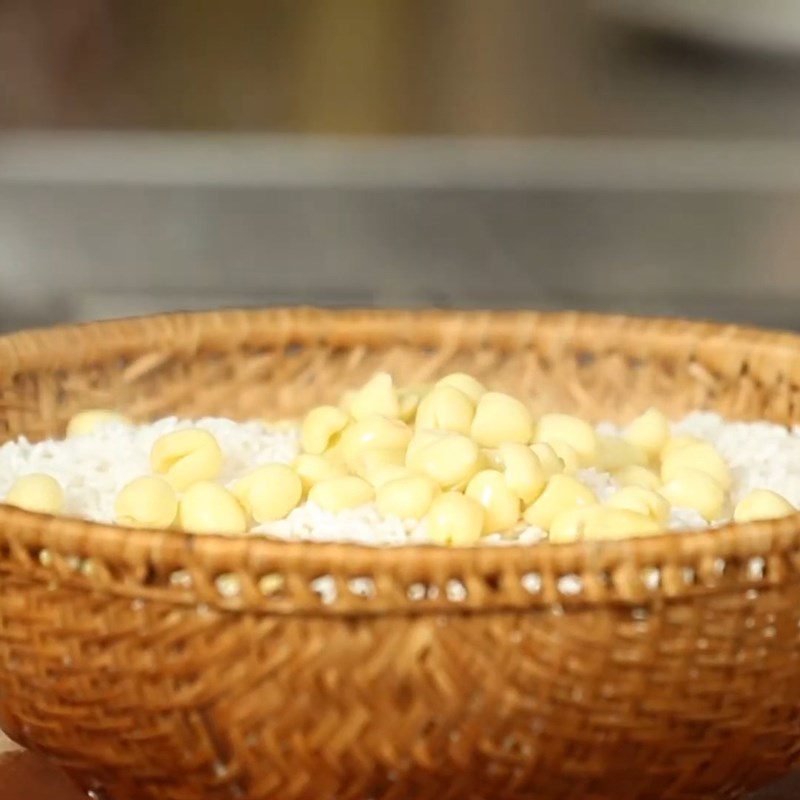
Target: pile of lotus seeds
464,461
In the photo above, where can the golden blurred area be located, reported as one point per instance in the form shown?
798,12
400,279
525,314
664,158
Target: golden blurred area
512,67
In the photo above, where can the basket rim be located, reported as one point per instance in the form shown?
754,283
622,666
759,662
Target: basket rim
26,533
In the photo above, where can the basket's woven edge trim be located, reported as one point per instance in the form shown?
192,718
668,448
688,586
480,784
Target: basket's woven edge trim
356,607
230,572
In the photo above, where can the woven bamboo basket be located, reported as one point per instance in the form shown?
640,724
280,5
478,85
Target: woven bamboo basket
162,666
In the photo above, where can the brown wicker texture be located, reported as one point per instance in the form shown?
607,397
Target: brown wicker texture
659,668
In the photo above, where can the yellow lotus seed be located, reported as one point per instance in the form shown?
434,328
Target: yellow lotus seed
762,504
449,460
501,506
691,488
422,438
637,476
36,492
269,492
618,523
207,507
569,526
446,408
614,453
388,472
471,387
146,502
409,398
643,501
678,443
649,432
372,433
484,462
339,494
312,469
491,457
367,462
187,456
501,418
375,432
548,458
522,470
595,523
85,422
455,519
562,493
409,497
319,428
567,455
576,432
376,397
702,457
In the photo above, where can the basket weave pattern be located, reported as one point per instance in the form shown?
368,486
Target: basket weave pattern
160,666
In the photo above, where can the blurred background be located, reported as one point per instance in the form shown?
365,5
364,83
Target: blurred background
631,155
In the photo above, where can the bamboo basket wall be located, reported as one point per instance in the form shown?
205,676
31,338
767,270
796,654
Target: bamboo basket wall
161,666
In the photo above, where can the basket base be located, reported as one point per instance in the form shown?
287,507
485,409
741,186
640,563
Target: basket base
786,789
28,776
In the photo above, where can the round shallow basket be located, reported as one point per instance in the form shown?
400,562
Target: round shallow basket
163,666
